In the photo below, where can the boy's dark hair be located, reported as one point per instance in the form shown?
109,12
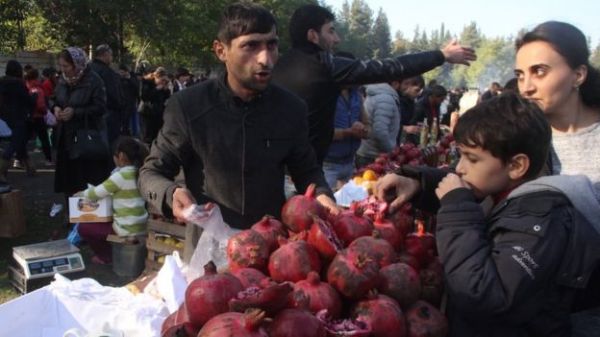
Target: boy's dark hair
507,125
305,18
244,18
135,150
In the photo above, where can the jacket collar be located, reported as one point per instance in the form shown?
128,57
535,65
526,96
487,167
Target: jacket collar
227,95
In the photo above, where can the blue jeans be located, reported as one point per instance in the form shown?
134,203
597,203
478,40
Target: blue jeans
337,171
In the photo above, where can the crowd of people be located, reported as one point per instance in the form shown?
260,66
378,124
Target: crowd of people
518,267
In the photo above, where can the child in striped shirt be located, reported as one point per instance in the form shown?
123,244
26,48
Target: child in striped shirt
129,208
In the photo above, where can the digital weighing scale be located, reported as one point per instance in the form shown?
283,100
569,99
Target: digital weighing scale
36,264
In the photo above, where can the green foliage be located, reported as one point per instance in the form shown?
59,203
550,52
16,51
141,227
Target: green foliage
595,57
381,41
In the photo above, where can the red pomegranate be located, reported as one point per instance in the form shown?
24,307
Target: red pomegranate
410,260
268,296
413,154
432,282
270,229
178,324
320,295
376,248
400,282
247,249
353,274
424,320
209,294
350,225
421,244
343,327
296,323
386,230
235,324
297,212
403,220
293,260
249,276
382,314
323,238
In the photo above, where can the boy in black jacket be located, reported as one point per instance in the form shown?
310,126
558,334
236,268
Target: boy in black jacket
518,269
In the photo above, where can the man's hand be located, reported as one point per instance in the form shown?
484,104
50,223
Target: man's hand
396,190
66,114
412,129
358,130
329,203
182,199
455,53
449,183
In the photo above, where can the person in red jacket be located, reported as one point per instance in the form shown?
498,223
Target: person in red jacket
36,123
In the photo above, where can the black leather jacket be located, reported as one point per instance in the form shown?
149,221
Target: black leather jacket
232,152
316,76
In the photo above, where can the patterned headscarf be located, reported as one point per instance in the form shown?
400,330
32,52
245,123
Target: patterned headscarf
79,62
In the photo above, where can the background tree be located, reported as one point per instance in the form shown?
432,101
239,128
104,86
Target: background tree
381,40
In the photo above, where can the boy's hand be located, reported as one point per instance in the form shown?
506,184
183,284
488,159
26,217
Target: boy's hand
395,189
449,183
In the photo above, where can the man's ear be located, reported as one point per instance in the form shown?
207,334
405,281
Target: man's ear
220,50
518,166
312,36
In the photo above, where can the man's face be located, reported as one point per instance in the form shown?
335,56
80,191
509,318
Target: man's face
484,173
327,38
249,60
411,90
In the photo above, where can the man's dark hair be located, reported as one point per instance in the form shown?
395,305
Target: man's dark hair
244,18
103,49
305,18
31,74
507,125
415,80
14,69
437,91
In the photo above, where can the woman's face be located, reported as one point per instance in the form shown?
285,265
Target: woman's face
545,77
67,68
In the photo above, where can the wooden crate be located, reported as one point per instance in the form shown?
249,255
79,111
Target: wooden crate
12,218
160,228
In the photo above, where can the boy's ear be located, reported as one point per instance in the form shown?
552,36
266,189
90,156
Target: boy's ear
518,166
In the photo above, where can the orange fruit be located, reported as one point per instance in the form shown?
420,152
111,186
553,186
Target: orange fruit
369,175
358,180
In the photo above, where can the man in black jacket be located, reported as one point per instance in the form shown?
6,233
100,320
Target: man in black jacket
520,269
114,92
311,71
234,136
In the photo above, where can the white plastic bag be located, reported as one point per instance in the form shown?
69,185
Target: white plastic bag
5,130
213,242
50,119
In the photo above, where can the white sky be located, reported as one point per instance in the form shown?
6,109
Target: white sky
494,18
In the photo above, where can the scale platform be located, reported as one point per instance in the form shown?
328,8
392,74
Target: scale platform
35,265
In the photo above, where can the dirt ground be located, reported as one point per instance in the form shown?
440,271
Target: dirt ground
38,195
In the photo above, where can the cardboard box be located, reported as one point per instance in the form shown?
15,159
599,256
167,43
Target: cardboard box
84,210
12,218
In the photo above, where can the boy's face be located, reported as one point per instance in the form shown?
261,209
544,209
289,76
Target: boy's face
484,173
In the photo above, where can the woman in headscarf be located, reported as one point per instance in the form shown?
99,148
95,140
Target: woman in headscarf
80,94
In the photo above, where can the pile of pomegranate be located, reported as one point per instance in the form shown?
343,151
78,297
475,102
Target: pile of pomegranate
363,272
436,155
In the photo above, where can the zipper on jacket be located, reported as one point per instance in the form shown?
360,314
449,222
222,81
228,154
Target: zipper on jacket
245,113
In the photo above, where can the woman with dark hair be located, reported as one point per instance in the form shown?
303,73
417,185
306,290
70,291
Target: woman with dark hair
15,109
80,95
553,70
